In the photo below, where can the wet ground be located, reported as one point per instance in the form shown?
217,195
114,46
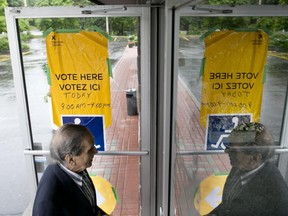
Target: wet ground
13,197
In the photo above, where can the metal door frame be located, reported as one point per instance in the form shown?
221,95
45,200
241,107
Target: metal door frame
12,16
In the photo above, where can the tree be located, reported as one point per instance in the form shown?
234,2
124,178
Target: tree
31,3
3,4
231,2
15,3
82,2
122,25
24,25
42,3
74,2
87,23
61,23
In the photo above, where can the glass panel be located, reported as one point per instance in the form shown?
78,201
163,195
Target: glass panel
37,90
190,171
123,173
14,197
251,2
122,134
190,134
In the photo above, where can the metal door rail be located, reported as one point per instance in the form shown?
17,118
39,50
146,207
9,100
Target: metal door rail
183,153
111,153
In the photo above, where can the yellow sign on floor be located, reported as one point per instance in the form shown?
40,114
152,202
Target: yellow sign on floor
106,194
209,193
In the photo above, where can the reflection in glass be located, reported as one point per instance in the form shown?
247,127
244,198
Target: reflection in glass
190,135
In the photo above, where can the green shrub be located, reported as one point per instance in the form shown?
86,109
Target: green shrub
4,45
279,42
24,46
26,36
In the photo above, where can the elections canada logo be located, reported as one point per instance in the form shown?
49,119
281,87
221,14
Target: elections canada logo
56,42
258,40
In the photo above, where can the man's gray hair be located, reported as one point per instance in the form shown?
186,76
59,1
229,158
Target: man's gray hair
68,140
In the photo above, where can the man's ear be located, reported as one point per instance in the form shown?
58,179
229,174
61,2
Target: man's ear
257,157
69,159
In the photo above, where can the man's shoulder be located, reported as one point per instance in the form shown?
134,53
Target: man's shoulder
52,168
53,171
273,181
270,169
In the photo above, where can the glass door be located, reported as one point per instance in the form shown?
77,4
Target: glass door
127,144
199,170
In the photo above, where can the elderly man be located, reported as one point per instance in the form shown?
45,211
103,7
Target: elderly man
65,188
254,185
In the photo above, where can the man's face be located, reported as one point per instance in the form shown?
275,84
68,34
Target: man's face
239,158
85,159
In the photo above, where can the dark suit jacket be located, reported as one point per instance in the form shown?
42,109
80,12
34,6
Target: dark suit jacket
266,194
58,194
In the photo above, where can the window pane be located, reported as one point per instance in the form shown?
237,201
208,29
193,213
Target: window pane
123,172
190,134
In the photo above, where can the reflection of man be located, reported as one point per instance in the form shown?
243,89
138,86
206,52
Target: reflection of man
254,186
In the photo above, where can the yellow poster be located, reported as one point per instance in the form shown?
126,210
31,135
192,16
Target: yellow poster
233,73
80,82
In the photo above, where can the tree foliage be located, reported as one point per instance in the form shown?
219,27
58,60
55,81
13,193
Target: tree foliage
194,25
44,24
43,3
62,23
2,24
24,25
278,26
122,25
3,4
244,2
15,3
88,23
58,2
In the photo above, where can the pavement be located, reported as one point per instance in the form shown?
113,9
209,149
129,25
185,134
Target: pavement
192,169
122,171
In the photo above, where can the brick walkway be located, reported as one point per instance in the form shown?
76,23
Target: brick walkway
122,171
191,170
122,135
